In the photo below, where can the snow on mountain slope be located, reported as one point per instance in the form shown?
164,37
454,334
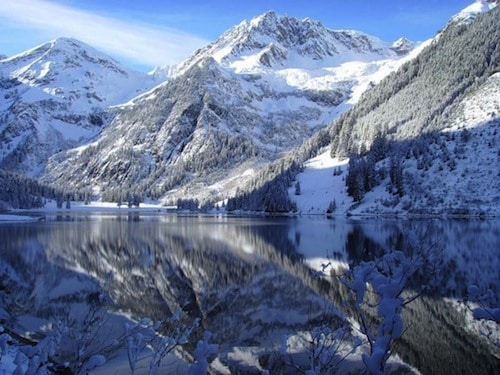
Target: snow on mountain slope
55,98
438,117
470,13
463,180
321,183
303,54
280,42
259,90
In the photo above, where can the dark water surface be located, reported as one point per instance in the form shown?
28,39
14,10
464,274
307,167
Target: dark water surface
248,280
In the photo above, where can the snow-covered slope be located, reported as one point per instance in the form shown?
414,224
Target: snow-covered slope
439,118
470,13
259,90
271,40
462,170
463,180
55,95
303,54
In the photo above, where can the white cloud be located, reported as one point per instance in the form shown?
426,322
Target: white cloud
137,42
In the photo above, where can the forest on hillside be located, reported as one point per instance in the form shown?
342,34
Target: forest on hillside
402,115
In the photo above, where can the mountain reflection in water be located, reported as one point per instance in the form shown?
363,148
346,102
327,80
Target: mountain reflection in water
248,280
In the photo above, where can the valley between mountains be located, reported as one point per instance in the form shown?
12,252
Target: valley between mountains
401,127
397,141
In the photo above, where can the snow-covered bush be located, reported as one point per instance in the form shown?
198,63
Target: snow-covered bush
378,297
480,305
203,353
326,348
71,347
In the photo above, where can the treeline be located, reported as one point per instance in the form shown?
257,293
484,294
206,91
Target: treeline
20,192
269,191
125,197
271,197
193,205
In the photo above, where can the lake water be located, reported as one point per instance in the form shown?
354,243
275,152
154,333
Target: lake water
248,280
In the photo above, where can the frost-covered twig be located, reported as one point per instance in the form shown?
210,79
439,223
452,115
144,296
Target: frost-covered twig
387,277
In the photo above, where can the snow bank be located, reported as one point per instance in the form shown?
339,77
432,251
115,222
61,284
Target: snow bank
10,218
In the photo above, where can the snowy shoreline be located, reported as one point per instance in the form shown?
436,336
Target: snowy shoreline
13,218
37,214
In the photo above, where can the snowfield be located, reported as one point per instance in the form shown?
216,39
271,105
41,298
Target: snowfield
319,186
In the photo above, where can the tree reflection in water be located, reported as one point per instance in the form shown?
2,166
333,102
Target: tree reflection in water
247,280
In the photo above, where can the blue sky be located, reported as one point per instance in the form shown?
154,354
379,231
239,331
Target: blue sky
147,33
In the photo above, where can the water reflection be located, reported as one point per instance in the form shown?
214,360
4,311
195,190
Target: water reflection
467,250
246,279
226,273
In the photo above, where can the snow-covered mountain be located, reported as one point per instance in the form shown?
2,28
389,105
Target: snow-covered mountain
55,96
275,41
260,89
431,130
303,54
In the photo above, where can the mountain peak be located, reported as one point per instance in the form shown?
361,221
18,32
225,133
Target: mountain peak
279,41
72,45
47,48
62,57
69,70
402,46
266,18
66,41
287,30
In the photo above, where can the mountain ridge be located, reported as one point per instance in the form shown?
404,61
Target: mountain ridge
279,39
214,122
243,102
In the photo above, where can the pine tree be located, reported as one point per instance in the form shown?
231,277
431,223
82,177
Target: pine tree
331,207
396,174
59,201
298,190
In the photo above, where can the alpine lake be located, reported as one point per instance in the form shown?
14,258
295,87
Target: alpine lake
250,281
